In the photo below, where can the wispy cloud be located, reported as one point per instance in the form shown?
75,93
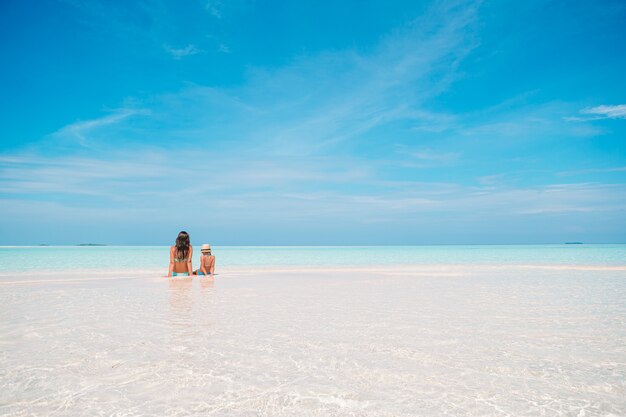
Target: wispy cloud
422,157
79,131
216,194
214,7
159,25
524,121
491,180
601,112
607,112
324,100
592,171
115,174
178,53
123,178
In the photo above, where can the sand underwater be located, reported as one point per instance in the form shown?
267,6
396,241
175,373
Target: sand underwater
388,340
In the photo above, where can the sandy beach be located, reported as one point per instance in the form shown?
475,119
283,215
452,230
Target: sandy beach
430,340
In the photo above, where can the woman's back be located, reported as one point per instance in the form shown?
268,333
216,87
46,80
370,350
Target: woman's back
181,261
178,256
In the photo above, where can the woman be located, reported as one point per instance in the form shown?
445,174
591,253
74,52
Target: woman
180,256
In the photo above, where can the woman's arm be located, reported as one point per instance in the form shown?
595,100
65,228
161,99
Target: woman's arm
171,269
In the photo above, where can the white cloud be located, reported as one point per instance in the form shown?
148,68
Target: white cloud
178,53
214,7
607,112
491,180
80,130
592,171
425,157
116,174
508,123
600,113
323,100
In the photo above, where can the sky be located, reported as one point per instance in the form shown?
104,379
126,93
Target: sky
319,122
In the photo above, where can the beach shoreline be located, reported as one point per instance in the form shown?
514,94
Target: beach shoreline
434,270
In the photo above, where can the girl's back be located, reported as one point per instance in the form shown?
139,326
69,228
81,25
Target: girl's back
208,261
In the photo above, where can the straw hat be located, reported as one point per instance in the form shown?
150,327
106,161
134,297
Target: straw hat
205,248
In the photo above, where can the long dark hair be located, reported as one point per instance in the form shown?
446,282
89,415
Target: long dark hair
182,245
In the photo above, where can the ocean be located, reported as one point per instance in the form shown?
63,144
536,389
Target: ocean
58,258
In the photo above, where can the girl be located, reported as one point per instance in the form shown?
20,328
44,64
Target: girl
207,261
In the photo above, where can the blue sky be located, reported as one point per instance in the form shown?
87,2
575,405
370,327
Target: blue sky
312,122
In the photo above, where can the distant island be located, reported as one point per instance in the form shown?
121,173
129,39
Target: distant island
573,243
91,244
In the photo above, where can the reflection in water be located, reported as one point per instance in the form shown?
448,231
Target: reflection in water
180,297
207,283
190,314
190,299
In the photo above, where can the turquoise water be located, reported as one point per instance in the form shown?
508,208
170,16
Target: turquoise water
28,258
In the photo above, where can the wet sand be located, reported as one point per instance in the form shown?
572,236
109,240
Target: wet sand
522,340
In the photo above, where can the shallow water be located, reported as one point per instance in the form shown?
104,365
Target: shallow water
428,341
98,258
